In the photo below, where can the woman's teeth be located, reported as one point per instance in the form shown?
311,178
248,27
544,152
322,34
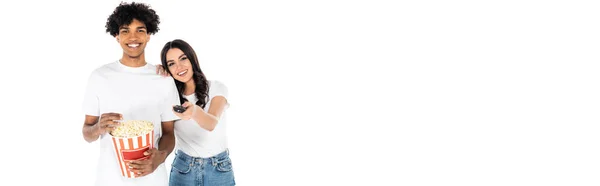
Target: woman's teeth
182,73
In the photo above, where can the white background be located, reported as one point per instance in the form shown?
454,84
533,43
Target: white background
332,92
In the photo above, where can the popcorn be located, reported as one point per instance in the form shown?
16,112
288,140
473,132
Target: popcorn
131,139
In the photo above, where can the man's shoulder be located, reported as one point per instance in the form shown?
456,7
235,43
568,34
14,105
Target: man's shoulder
150,67
104,68
101,71
165,80
163,84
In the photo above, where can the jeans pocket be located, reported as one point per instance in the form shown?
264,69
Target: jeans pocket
181,166
224,165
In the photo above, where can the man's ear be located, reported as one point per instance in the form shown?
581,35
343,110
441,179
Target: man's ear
147,38
117,37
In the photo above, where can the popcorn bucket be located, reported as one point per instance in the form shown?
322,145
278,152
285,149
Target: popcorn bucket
130,142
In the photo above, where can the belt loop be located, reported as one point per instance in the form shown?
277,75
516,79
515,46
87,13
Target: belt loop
214,162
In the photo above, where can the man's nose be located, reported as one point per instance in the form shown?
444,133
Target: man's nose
135,36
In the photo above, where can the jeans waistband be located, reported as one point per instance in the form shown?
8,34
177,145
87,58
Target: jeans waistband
182,155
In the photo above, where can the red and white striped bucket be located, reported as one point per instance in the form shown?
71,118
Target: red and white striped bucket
132,148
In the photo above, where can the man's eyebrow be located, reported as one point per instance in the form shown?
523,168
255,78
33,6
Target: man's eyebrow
139,27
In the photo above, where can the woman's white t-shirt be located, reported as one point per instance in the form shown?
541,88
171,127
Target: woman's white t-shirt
195,140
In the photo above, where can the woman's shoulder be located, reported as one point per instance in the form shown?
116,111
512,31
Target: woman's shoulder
217,88
216,84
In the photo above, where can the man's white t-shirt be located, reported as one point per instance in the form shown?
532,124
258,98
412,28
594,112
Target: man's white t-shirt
138,93
195,140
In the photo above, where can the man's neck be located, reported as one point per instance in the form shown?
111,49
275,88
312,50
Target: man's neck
139,61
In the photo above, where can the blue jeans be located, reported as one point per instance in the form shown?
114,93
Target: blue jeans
187,170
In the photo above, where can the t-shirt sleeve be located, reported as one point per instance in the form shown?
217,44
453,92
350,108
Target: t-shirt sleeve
90,98
219,89
171,99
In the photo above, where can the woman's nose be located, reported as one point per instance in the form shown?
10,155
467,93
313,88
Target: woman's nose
175,66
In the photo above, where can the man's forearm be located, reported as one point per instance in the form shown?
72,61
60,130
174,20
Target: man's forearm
90,133
166,145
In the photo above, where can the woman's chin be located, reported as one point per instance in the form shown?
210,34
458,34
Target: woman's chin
179,79
183,79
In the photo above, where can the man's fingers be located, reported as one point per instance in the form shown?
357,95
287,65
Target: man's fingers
135,167
140,162
111,114
141,168
107,121
150,152
113,123
142,174
146,170
110,124
110,117
110,128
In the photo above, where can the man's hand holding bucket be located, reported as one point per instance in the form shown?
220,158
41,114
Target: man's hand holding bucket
147,166
108,122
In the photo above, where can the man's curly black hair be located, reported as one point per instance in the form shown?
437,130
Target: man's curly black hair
125,13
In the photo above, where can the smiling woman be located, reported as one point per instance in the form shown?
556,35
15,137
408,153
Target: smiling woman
201,134
179,58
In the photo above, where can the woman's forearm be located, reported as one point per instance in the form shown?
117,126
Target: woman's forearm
206,120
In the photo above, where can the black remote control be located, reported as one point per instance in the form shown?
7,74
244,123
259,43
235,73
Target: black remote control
179,108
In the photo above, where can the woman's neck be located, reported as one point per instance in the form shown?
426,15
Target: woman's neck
190,87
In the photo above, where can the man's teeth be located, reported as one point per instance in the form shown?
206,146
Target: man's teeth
182,73
133,45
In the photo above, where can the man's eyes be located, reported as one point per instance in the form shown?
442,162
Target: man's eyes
127,31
